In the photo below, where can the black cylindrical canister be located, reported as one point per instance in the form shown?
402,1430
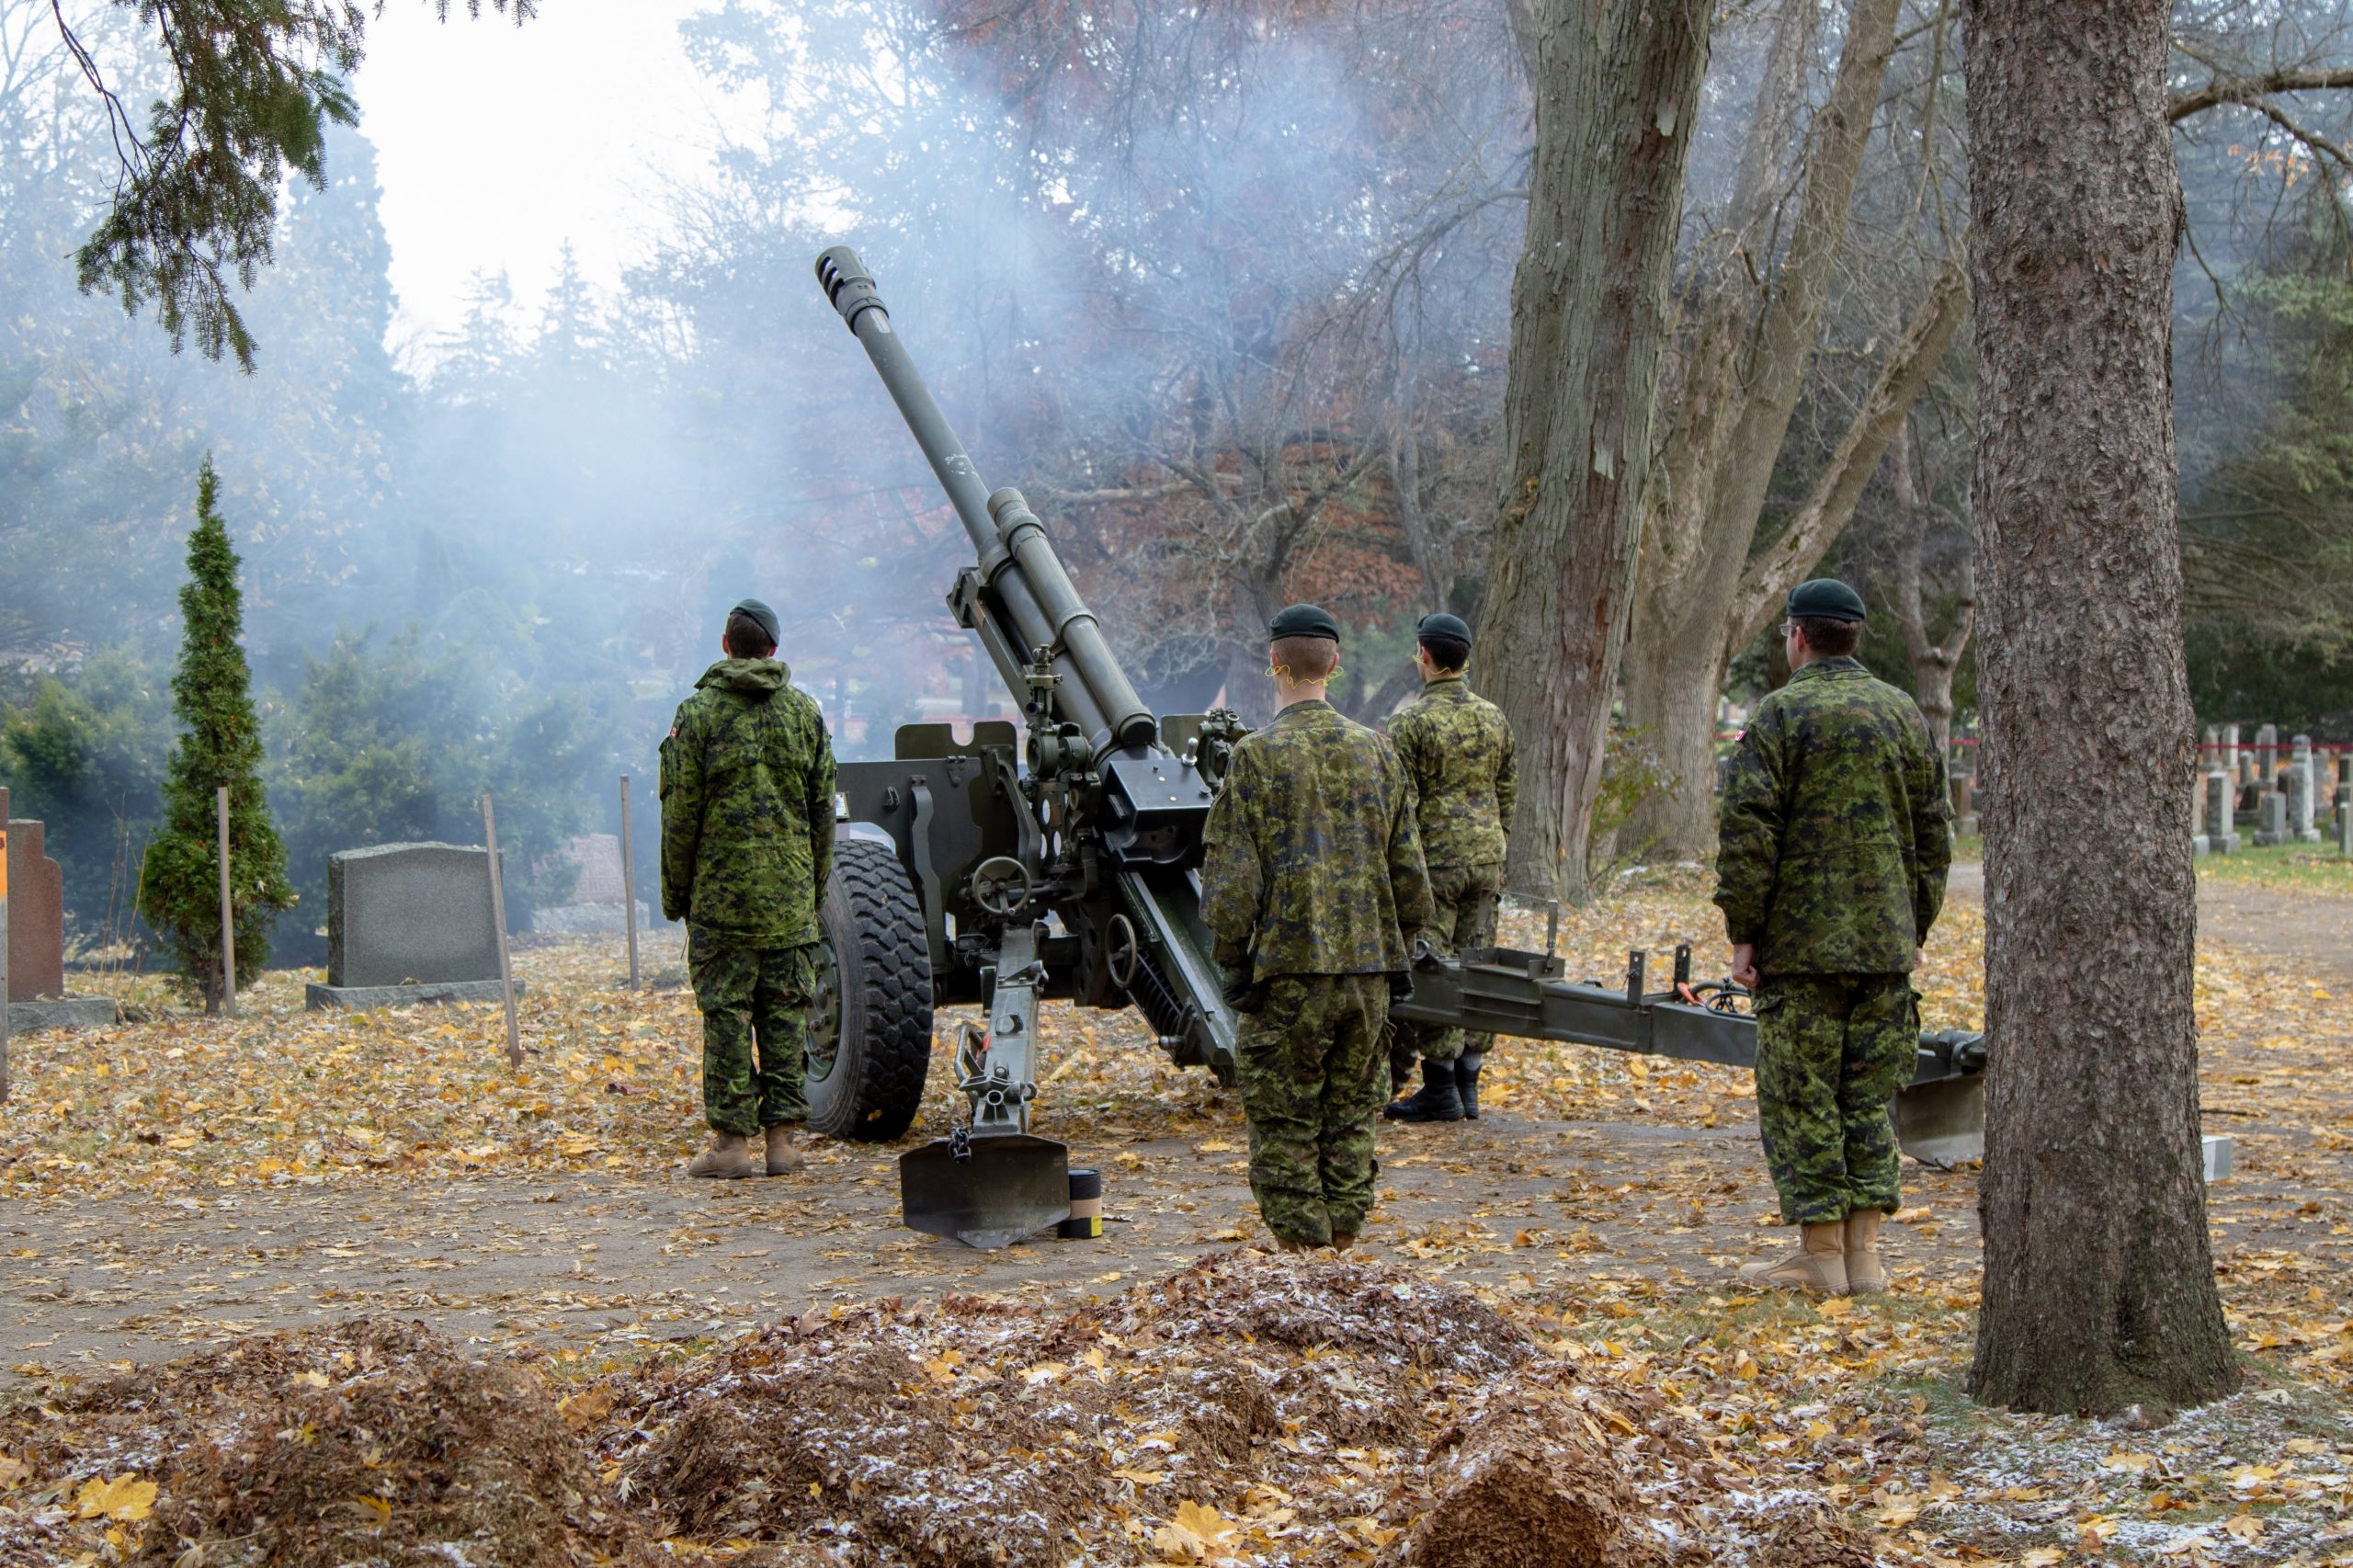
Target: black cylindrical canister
1085,1221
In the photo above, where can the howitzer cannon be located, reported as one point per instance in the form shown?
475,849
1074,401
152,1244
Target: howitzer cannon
1063,862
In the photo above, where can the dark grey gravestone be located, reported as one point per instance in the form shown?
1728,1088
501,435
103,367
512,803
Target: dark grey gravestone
408,923
2273,805
2345,819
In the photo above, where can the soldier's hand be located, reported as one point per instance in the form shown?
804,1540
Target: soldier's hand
1743,965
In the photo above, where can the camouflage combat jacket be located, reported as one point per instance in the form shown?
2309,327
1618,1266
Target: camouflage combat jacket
1458,749
1833,838
747,807
1313,864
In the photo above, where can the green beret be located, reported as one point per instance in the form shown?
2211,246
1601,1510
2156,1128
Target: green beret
1303,620
760,616
1444,625
1827,598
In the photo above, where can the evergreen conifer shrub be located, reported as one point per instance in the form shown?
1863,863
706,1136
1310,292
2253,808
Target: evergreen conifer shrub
220,743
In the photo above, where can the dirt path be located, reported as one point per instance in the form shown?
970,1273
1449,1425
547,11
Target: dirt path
601,1264
604,1263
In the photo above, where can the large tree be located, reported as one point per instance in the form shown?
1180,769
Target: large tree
1616,89
2100,1288
1756,294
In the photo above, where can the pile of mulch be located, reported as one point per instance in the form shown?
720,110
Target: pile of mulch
1248,1410
366,1442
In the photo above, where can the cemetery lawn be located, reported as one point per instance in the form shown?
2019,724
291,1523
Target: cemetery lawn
179,1183
2295,868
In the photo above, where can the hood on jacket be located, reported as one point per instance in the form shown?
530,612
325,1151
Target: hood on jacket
757,680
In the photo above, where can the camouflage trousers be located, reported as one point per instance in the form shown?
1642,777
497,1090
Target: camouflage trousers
1310,1067
1466,897
755,1004
1831,1051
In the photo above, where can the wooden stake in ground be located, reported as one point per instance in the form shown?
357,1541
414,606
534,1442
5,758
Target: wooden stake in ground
2099,1279
629,884
3,947
498,919
228,913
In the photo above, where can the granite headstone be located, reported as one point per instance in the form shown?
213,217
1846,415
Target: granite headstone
2221,830
2304,792
2272,822
410,914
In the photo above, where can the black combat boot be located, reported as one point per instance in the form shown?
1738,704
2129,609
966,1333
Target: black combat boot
1436,1100
1466,1081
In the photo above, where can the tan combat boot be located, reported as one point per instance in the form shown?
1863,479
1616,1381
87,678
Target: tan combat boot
728,1158
1819,1264
784,1157
1864,1275
1343,1240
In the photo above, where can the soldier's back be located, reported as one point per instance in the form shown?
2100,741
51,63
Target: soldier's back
1314,799
1458,748
755,747
1834,815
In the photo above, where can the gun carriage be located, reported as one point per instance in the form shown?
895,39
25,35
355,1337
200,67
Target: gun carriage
1061,861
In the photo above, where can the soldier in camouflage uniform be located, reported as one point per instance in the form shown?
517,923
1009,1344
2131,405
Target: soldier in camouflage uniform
747,843
1312,882
1830,871
1456,748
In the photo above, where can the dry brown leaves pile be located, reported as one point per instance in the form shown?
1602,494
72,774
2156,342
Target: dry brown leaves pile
368,1441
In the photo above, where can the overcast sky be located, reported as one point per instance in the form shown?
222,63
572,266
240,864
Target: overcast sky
498,144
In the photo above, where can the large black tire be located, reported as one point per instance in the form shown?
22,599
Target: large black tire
869,1032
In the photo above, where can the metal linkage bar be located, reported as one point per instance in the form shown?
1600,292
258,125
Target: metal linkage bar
1500,991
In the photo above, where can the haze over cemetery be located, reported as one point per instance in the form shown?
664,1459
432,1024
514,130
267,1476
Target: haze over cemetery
1530,782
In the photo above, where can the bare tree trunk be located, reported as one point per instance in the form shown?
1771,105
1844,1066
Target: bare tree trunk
1617,85
2099,1283
1703,597
1935,658
1742,373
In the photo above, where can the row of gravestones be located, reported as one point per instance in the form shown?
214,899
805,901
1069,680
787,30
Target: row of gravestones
2254,786
405,922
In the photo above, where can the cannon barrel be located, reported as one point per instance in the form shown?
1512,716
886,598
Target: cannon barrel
1023,576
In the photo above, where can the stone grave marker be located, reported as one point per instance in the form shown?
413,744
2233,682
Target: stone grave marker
2272,818
595,903
2304,792
37,996
2345,819
409,923
2221,828
36,916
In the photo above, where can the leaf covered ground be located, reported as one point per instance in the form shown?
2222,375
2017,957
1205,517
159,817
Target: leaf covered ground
184,1184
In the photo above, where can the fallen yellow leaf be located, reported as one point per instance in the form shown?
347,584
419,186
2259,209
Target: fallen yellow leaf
125,1497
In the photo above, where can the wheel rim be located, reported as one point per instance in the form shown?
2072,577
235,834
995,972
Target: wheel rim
825,1015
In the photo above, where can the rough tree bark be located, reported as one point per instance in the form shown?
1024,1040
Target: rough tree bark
2099,1285
1615,85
